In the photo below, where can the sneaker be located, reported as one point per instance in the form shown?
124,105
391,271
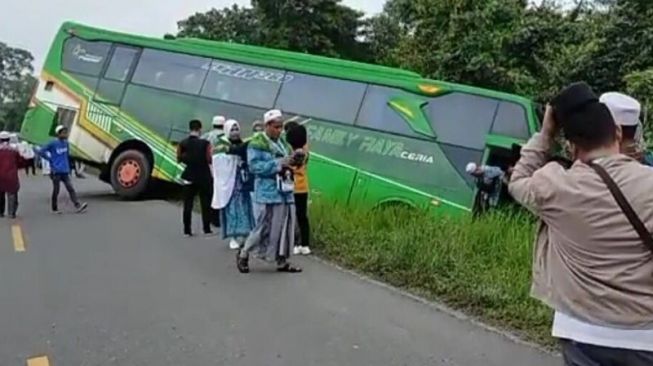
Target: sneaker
82,207
306,250
297,250
208,233
56,212
234,245
188,234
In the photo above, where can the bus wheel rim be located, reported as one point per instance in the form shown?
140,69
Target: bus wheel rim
129,173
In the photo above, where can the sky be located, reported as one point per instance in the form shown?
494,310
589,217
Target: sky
31,24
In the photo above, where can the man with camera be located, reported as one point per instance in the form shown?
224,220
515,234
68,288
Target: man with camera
593,261
270,159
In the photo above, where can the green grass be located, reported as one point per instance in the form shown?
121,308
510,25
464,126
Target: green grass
482,267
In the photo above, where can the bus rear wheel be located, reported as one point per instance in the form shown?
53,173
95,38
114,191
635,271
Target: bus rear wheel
130,174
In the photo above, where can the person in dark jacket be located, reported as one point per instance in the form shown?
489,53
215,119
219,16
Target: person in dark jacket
10,163
196,154
57,153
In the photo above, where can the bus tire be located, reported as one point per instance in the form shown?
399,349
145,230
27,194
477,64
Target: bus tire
130,174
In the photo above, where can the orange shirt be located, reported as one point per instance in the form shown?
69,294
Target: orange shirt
301,178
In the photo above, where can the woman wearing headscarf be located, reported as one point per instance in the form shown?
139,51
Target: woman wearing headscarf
233,186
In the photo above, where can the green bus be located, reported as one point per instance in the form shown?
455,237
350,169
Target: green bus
378,135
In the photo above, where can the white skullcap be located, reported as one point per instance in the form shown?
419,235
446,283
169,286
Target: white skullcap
272,115
625,110
218,121
471,168
4,135
59,129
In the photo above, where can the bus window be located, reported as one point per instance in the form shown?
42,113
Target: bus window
321,97
376,113
462,119
121,63
111,87
511,121
84,57
171,71
244,84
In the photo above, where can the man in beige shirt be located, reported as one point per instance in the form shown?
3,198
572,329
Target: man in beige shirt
590,265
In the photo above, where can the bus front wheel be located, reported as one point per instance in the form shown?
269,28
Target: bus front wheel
130,174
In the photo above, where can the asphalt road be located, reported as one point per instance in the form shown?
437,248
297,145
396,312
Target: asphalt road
119,285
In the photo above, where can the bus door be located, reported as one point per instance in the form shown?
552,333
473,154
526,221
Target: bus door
330,180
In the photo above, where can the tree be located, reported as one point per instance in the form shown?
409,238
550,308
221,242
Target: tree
624,44
381,36
640,85
462,41
322,27
16,85
235,24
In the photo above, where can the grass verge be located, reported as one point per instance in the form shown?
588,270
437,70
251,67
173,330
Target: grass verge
481,267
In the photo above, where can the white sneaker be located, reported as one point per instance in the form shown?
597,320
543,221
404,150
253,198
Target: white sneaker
233,244
306,250
297,251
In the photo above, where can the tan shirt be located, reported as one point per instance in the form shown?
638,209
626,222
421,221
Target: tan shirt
588,262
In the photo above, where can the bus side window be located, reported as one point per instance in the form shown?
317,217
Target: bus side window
511,121
377,114
121,63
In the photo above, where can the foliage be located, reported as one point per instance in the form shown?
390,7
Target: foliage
235,24
323,27
16,85
640,85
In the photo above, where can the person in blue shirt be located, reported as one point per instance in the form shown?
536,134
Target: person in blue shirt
57,153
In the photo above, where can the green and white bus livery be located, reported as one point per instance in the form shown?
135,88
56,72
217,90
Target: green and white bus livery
378,135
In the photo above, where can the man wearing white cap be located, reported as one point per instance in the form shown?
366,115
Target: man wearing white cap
270,160
626,111
489,180
10,162
217,132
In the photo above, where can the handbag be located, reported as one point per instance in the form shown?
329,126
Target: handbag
625,206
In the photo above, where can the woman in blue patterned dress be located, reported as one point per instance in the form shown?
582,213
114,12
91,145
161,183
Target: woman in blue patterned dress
237,216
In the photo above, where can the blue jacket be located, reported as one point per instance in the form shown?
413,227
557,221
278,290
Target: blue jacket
265,166
57,153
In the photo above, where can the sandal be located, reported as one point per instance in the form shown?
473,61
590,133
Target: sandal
287,268
242,263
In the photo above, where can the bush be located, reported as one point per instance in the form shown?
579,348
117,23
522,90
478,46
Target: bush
482,267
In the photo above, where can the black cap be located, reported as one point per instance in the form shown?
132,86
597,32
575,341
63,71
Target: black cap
571,99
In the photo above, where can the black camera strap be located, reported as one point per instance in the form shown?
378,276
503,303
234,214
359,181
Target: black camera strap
625,206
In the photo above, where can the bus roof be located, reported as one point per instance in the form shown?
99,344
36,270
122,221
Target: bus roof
286,60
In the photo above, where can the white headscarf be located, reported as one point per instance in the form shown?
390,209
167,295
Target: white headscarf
229,125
